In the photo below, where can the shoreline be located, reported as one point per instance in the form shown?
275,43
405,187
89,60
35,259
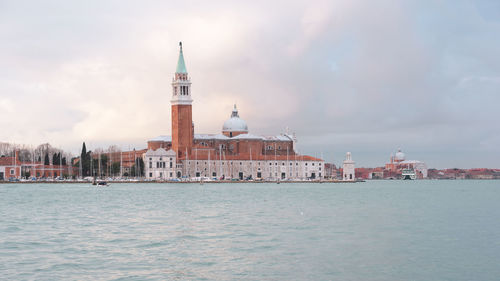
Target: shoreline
181,182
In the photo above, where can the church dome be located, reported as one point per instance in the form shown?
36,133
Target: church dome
235,123
400,156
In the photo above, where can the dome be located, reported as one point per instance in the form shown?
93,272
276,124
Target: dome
235,123
400,156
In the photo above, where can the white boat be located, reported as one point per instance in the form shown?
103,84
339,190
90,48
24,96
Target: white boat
408,174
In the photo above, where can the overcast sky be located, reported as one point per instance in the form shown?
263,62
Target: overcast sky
360,76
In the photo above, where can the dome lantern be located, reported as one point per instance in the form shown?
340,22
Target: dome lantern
235,125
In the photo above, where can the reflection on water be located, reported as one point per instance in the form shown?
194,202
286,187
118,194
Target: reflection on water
378,230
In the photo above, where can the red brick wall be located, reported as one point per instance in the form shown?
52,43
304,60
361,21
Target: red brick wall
182,131
154,145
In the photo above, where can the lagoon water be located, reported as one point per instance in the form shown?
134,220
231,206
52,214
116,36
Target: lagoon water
377,230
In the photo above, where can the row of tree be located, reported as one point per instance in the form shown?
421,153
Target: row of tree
100,166
49,155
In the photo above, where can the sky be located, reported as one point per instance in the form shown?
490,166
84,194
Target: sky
367,77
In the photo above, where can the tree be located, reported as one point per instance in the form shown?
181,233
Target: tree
85,160
55,159
115,168
46,161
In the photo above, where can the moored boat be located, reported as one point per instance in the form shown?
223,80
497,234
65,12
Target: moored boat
408,174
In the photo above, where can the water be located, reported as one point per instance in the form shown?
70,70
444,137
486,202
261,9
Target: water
378,230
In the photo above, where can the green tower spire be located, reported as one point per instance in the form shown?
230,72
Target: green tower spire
181,66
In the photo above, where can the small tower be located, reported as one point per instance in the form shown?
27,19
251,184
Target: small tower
348,168
182,119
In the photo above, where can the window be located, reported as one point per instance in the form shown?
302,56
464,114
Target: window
306,163
150,165
283,164
161,175
150,175
150,158
170,163
11,172
313,164
160,158
171,174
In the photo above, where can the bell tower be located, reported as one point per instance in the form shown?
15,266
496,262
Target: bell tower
182,119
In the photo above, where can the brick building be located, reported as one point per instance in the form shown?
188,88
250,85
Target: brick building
11,167
232,153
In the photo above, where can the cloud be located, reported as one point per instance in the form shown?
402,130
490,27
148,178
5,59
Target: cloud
358,76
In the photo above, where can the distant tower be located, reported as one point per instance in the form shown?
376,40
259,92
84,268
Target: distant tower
182,119
348,168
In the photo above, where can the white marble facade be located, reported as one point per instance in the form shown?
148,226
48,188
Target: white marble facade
160,164
246,169
348,170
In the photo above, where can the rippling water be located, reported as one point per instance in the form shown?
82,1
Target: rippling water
378,230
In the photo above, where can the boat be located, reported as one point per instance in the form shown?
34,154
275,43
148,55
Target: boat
100,183
408,174
96,182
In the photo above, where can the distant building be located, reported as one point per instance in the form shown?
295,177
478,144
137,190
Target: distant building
398,163
160,164
11,167
330,171
234,153
348,168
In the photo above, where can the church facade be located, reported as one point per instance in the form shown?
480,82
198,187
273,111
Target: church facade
234,153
